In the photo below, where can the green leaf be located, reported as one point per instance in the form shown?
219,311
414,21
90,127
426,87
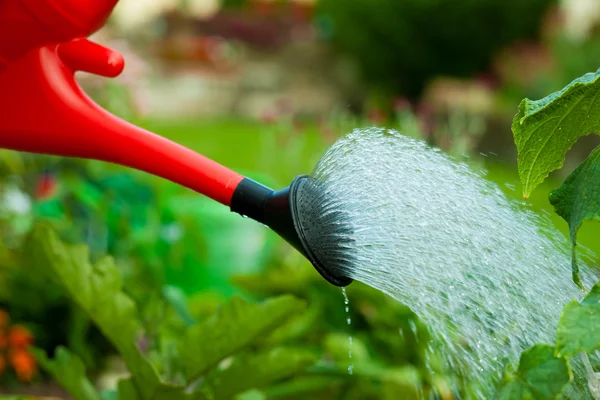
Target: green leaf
97,291
541,376
251,395
578,326
236,325
256,371
578,199
69,372
544,130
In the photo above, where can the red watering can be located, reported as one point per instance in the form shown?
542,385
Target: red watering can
43,110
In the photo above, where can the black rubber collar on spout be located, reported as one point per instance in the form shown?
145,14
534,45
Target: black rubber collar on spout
277,210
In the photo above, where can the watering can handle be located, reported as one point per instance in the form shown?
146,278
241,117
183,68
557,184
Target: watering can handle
43,109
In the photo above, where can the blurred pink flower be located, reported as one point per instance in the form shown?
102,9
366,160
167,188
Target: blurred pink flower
376,116
284,106
426,116
268,117
328,134
401,103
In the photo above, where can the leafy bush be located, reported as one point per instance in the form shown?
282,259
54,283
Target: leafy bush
401,44
238,326
244,348
544,130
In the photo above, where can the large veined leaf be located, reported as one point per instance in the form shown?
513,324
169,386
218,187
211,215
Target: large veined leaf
540,376
578,199
96,289
238,324
255,371
578,327
544,130
69,371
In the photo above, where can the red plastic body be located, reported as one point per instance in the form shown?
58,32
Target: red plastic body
44,110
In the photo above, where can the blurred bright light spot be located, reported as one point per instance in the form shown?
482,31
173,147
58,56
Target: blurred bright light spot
581,16
17,202
203,9
131,14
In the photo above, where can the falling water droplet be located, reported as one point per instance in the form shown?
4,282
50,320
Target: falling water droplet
412,326
349,321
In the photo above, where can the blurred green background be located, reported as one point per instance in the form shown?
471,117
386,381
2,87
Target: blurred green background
264,87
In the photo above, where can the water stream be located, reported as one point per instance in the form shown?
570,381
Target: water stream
487,275
349,321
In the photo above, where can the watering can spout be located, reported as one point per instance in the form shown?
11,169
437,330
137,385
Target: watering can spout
44,110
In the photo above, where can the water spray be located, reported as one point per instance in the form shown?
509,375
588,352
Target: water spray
44,110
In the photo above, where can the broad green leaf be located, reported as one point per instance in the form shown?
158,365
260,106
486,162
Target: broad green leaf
544,130
541,376
236,325
256,371
578,326
578,199
96,289
251,395
68,370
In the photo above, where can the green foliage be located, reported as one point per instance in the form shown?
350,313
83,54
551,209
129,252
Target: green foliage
578,199
544,130
220,350
578,326
390,355
97,290
69,371
540,376
223,331
257,370
402,44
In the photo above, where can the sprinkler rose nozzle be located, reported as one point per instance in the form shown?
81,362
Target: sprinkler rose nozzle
280,211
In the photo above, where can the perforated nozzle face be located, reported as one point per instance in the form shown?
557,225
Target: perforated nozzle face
307,222
281,211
